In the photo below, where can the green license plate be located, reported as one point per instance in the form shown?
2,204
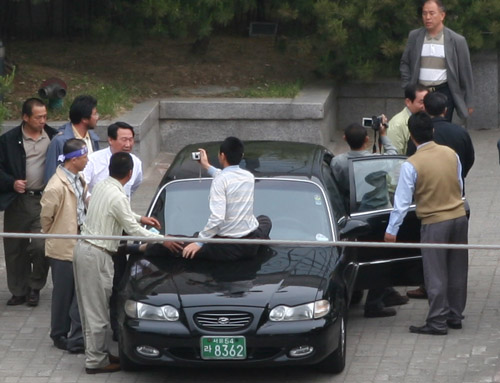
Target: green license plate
223,347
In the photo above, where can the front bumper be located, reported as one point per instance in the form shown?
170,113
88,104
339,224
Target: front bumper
268,343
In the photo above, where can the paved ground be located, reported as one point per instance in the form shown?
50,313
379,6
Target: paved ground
379,350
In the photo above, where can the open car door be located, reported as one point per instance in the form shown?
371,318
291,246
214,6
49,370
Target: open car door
373,181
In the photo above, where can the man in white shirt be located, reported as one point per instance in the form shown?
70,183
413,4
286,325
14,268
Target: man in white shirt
121,139
231,208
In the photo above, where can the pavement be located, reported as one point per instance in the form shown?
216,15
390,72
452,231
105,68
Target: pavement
378,350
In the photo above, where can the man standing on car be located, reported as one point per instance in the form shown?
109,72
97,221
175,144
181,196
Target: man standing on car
231,208
437,57
433,175
356,136
22,161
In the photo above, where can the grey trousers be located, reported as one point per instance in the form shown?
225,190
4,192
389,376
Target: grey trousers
93,269
27,267
65,317
445,271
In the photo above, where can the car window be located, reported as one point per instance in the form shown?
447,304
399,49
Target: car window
298,209
336,197
373,182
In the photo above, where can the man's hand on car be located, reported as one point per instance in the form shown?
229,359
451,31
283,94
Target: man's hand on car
190,250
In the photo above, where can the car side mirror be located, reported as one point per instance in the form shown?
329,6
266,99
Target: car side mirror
354,228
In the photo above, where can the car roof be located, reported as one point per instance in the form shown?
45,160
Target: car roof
262,158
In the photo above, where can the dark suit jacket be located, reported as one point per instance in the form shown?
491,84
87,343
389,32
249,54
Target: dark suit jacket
458,66
457,138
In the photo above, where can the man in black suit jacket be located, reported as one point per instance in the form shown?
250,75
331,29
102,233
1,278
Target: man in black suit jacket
447,133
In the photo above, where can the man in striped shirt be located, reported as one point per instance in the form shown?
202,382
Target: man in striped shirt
437,57
231,208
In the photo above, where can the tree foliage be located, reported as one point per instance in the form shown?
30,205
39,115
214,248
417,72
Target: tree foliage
361,39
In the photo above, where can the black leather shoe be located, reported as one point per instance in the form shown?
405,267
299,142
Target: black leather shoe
395,299
382,313
454,324
113,359
112,367
33,298
61,343
16,300
427,330
76,348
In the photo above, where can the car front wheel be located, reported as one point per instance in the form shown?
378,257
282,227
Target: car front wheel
335,362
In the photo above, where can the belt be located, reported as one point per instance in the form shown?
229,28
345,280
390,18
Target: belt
102,249
437,87
32,193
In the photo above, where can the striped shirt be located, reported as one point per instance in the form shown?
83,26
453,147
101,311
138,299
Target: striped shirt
432,61
231,203
109,213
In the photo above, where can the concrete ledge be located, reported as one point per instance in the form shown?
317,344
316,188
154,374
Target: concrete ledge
308,118
309,104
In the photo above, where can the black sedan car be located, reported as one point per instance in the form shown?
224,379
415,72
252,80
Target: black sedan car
287,306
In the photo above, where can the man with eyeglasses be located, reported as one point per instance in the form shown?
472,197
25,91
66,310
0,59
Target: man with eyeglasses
438,58
83,117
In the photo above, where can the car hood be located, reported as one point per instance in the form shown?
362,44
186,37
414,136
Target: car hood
278,275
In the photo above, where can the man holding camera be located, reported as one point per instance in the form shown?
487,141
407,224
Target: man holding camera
378,300
231,208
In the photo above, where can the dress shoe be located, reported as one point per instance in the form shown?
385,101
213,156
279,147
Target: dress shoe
77,348
16,300
113,359
418,293
454,324
427,330
33,298
61,342
381,313
395,299
112,367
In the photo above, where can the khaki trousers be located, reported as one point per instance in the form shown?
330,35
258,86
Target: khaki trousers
93,271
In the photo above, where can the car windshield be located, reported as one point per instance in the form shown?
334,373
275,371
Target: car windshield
297,208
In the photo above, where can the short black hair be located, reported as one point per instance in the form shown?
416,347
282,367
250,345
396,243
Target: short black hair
113,129
435,103
81,108
233,149
420,126
355,135
28,105
439,3
412,89
120,165
72,145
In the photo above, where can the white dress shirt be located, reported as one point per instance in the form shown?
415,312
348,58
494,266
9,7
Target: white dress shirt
97,170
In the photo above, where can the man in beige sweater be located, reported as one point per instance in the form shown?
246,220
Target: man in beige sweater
433,176
63,212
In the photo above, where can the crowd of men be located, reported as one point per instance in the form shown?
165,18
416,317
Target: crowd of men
59,181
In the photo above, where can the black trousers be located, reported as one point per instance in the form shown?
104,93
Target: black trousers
233,252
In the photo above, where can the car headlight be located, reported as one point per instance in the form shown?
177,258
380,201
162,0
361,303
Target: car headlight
143,311
313,310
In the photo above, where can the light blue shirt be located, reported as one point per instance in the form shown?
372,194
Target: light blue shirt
404,193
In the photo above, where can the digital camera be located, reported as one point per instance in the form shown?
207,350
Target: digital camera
195,156
375,122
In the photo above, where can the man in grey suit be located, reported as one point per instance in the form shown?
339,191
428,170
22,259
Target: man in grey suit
437,57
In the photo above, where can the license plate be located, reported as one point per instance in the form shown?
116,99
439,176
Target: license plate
223,347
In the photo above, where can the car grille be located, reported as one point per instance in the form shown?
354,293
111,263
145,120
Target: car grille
222,321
